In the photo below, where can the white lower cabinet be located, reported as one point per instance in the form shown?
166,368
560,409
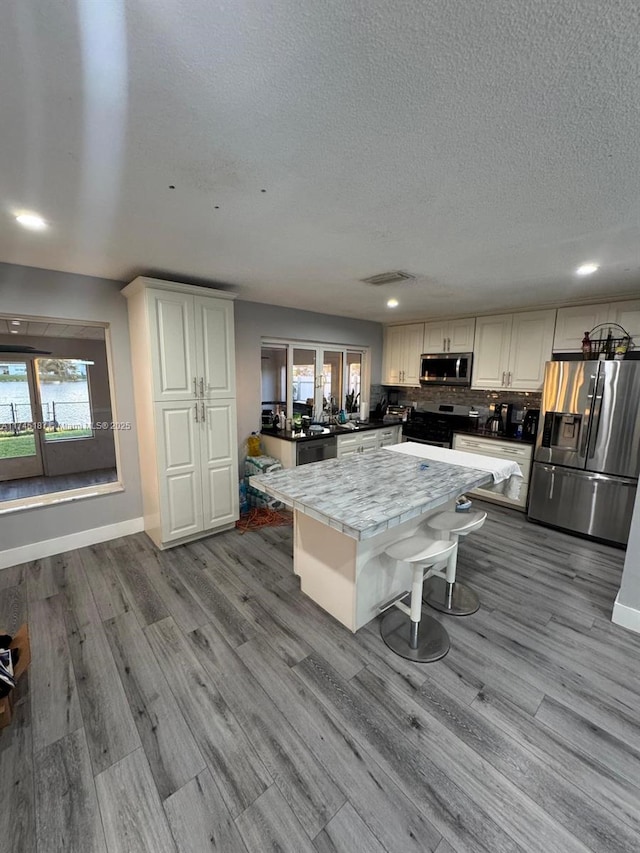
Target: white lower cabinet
508,450
363,442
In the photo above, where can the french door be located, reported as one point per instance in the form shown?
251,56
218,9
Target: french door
20,421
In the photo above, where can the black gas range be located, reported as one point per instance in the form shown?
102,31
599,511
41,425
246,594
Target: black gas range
436,423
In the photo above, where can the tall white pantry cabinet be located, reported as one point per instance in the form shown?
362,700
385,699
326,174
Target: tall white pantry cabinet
183,355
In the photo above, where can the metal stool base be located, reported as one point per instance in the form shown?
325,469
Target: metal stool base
433,640
462,602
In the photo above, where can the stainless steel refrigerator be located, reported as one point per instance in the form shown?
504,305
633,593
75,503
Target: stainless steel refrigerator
587,457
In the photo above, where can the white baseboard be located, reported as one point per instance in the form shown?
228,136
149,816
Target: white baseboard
626,616
49,547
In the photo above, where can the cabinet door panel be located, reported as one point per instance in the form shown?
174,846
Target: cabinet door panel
491,352
571,324
393,340
215,346
531,348
627,314
179,475
461,334
220,469
412,349
435,337
173,345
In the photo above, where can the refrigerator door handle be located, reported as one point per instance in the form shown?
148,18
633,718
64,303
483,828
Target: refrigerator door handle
588,426
595,415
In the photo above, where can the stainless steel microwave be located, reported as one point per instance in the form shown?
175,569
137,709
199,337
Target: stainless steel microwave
446,368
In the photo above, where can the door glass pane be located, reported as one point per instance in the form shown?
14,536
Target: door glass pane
17,437
65,398
331,381
303,380
353,395
274,377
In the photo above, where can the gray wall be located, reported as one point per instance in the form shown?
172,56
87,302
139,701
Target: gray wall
44,293
253,321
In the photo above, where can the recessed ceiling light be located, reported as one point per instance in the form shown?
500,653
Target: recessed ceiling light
13,331
392,303
30,220
587,269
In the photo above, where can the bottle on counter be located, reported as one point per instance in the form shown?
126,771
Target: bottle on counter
253,444
586,346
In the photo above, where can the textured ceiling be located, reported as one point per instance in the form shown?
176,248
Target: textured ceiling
487,146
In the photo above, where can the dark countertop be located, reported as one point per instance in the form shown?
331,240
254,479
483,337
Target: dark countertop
496,436
334,429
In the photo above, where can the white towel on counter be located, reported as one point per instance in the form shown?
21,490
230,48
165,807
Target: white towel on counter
507,476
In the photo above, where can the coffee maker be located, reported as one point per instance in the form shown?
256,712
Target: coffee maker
500,421
530,425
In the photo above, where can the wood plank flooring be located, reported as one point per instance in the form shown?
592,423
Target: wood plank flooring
194,700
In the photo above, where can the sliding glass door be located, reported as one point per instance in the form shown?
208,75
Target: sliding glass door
20,421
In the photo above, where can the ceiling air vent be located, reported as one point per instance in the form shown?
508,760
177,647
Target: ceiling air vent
392,277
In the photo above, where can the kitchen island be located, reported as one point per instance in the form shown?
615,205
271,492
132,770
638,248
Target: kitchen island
347,512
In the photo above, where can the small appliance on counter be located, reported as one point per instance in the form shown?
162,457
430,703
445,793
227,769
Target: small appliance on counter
530,425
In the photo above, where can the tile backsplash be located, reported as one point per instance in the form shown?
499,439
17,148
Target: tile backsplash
481,400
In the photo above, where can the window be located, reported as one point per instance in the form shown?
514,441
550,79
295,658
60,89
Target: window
313,379
55,410
64,398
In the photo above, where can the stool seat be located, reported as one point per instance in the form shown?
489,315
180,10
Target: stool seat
407,630
420,547
442,591
457,523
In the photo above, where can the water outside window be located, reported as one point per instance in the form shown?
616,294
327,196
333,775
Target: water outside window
64,395
17,435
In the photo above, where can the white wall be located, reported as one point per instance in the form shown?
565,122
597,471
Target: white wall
254,320
626,610
44,293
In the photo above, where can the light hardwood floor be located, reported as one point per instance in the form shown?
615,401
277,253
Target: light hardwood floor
195,700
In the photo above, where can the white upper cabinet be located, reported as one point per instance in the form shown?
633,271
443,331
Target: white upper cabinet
491,351
450,336
531,347
214,345
173,345
192,345
573,322
402,351
627,314
511,350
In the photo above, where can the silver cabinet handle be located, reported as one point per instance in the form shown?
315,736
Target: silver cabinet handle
504,373
448,344
204,416
196,408
444,345
202,386
509,380
195,387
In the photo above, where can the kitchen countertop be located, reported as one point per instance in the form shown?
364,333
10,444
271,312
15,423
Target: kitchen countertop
367,494
496,436
334,429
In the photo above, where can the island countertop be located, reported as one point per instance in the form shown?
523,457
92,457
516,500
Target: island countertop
366,494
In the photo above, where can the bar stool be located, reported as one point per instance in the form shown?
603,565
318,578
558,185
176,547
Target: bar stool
419,638
442,591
